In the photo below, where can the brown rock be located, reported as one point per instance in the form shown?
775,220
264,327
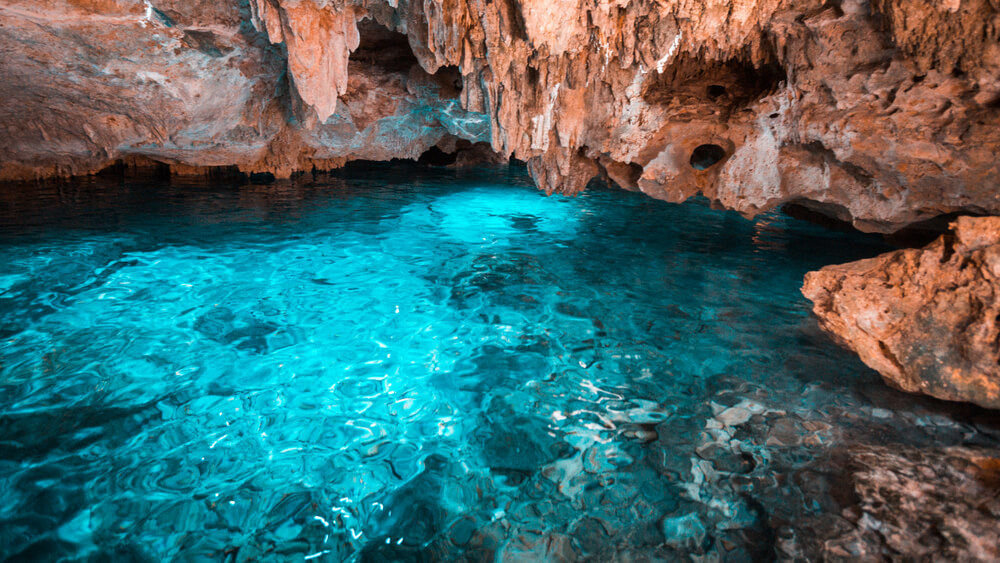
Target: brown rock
938,504
879,113
927,319
318,41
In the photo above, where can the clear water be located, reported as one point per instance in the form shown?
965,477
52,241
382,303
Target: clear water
396,364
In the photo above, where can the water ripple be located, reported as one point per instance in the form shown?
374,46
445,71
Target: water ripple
400,365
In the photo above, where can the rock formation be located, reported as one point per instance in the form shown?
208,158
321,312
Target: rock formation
193,84
882,113
909,504
927,319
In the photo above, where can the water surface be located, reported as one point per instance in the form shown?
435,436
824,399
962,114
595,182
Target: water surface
400,364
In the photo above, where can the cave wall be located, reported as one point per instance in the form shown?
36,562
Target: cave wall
880,113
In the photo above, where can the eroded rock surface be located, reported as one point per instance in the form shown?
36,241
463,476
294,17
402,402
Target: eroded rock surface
918,504
194,84
927,319
881,113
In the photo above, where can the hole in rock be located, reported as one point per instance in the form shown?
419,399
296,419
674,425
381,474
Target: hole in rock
621,174
437,157
123,168
922,233
829,215
262,178
449,78
705,156
460,153
383,53
532,75
735,82
380,47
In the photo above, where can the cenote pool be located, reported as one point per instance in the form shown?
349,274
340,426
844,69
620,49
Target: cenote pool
394,363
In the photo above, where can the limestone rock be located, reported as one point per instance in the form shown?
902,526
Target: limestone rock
880,113
927,319
318,42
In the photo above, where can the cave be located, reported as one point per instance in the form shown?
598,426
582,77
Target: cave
383,48
705,156
297,280
733,83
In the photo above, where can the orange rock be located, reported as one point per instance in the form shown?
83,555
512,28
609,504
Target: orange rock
927,319
879,113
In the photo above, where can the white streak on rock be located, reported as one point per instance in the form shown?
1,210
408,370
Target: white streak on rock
542,124
661,64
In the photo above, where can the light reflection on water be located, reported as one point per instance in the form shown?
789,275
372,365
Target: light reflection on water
400,364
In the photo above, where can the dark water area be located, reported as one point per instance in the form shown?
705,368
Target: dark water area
395,363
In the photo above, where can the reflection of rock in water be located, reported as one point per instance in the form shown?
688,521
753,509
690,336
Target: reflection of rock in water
526,223
430,518
247,333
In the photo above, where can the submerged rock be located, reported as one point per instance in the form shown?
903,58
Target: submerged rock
687,532
927,319
938,504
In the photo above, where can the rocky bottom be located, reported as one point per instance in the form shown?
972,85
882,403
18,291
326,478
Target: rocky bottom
398,364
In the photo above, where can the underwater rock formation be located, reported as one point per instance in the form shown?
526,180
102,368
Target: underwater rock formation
927,319
918,504
881,113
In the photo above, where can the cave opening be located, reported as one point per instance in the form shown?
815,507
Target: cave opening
383,48
715,91
705,156
434,156
731,83
353,357
389,89
387,51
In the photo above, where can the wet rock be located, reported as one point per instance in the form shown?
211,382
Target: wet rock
928,320
917,504
785,431
591,537
686,533
530,547
739,414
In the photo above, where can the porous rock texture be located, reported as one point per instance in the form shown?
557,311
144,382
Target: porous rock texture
192,83
927,319
910,504
878,112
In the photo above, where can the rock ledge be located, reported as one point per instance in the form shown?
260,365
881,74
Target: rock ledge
927,319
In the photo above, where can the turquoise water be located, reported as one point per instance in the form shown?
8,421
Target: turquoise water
401,364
